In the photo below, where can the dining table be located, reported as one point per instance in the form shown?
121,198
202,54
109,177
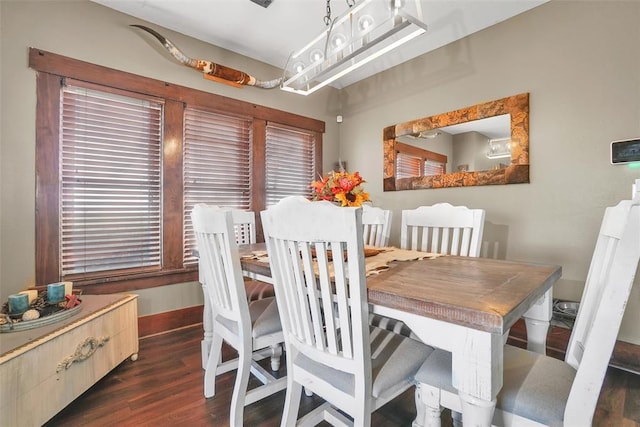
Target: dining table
465,305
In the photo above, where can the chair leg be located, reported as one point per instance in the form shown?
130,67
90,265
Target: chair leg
291,403
428,406
215,352
363,417
240,388
276,354
207,325
205,348
457,419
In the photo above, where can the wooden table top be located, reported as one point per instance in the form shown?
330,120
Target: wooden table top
486,294
482,293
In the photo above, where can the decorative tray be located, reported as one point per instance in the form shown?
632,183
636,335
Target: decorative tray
48,313
41,321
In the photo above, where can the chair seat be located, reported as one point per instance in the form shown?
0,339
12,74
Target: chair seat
392,325
264,318
395,361
535,386
257,290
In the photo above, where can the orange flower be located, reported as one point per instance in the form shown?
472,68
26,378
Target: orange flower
341,187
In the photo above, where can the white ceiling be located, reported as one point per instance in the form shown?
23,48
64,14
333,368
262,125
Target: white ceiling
271,34
492,127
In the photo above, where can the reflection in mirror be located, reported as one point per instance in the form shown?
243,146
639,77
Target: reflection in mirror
472,146
479,145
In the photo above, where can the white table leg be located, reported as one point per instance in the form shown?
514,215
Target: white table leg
477,366
477,361
537,320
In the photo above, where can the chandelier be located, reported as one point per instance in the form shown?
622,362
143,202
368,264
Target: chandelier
499,148
366,31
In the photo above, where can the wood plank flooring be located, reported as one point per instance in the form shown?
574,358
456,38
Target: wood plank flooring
164,388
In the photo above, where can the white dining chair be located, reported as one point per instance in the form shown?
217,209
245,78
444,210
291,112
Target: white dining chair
443,228
542,391
253,329
316,254
244,227
376,224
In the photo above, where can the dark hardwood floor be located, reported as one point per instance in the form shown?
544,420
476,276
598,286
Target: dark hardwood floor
164,387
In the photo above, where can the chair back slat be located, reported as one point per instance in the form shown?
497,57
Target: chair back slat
294,273
606,292
443,228
466,242
342,297
446,241
316,251
414,239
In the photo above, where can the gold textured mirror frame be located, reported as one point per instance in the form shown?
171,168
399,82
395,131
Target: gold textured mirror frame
517,172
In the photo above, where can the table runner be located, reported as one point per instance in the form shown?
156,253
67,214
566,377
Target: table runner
373,264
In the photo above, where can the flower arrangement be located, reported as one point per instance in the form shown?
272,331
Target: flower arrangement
342,187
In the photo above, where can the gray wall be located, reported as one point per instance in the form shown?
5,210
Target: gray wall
578,61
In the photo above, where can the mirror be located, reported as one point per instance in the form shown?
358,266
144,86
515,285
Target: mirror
484,144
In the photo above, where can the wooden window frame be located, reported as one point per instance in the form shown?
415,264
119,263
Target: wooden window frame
51,69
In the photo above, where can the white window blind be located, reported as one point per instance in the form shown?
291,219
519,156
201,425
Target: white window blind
110,185
408,166
216,166
433,168
290,160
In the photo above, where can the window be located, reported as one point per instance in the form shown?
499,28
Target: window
290,160
110,182
408,166
432,167
121,160
417,162
217,156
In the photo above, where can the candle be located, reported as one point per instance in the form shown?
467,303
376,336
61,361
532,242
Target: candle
31,293
68,288
18,303
55,292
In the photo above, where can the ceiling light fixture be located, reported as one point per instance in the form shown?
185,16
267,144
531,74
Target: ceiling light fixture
499,148
366,31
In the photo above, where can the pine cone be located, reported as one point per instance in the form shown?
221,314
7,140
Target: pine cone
40,302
